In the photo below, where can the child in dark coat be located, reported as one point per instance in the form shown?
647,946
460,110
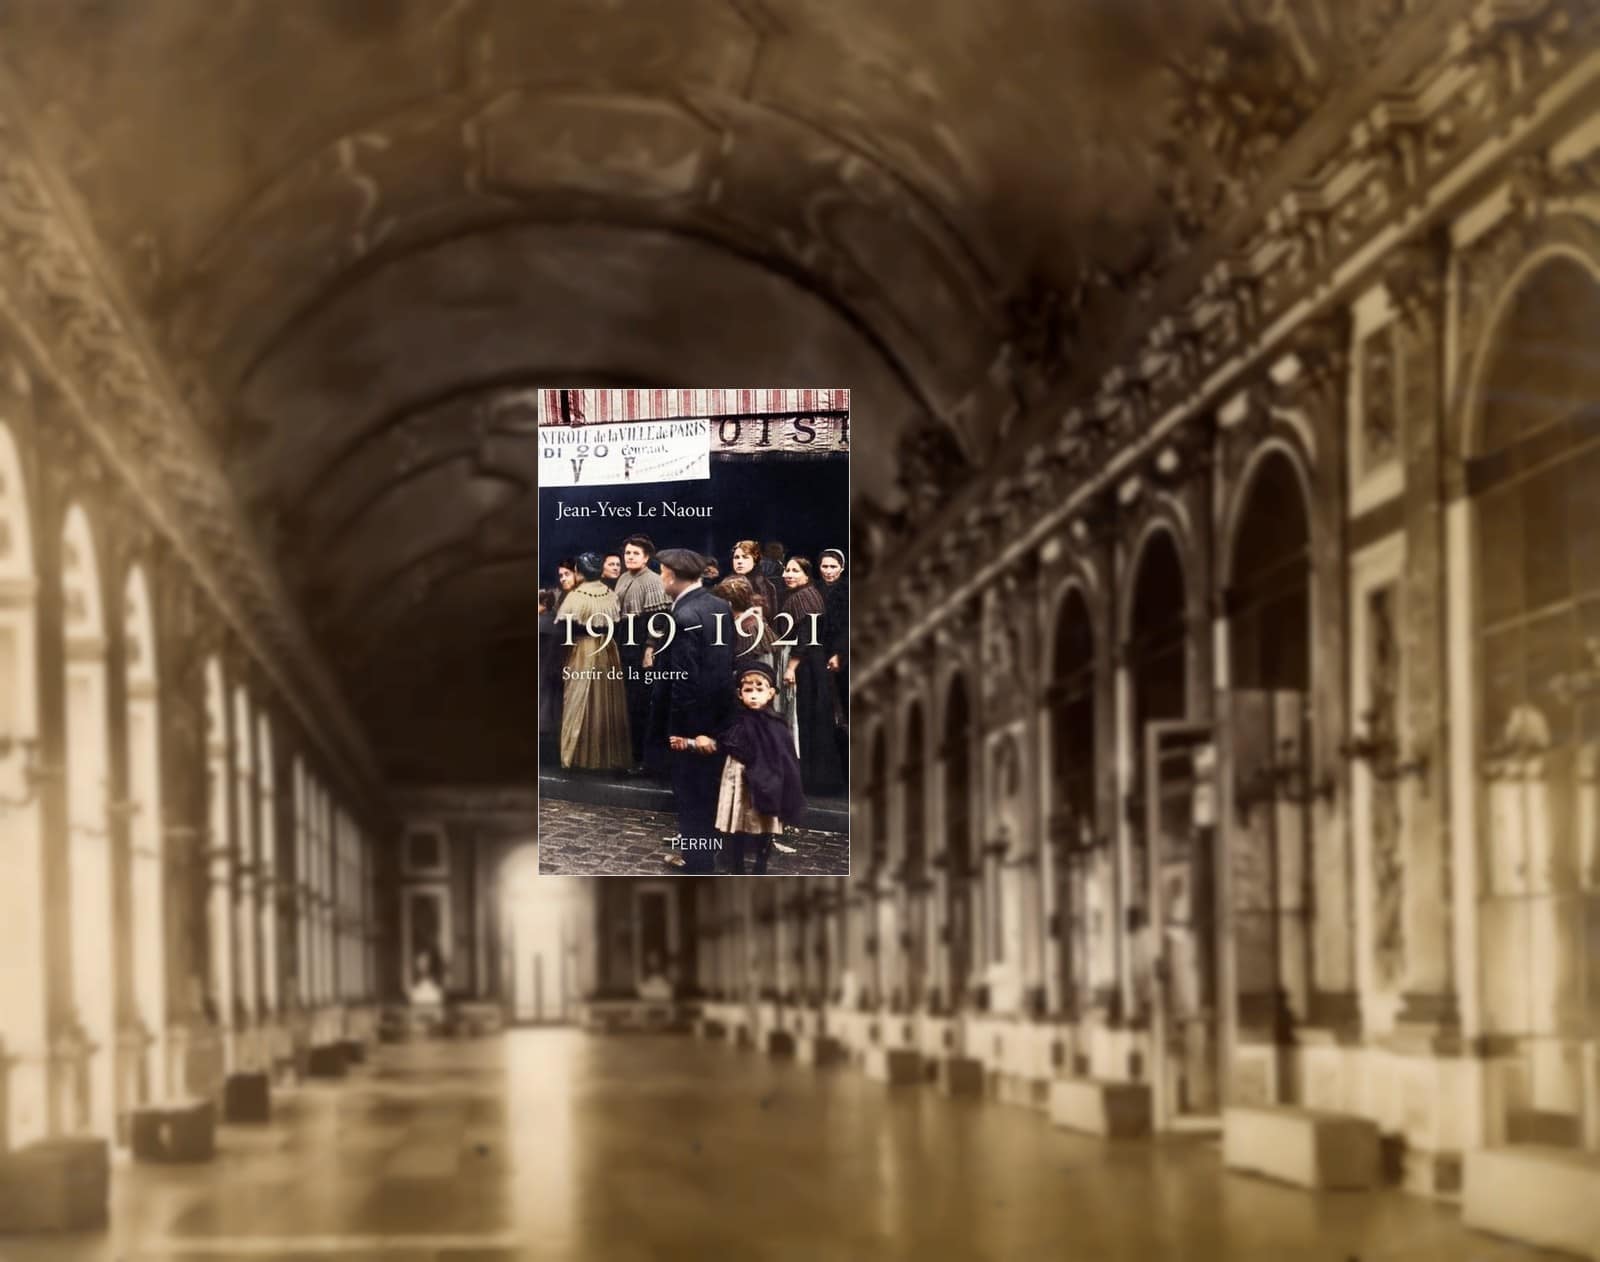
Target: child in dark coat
760,790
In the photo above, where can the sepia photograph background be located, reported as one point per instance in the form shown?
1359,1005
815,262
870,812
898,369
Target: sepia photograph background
1225,642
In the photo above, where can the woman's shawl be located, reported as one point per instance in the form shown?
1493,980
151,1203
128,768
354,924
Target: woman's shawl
760,740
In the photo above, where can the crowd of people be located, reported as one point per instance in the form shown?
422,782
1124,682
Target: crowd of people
735,688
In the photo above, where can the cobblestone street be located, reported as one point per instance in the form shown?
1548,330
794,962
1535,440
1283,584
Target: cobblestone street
576,839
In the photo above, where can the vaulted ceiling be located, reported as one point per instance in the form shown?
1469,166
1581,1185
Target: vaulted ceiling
369,227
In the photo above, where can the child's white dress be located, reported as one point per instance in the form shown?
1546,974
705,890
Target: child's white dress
736,808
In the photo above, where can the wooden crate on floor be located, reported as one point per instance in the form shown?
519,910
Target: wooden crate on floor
247,1098
182,1131
55,1185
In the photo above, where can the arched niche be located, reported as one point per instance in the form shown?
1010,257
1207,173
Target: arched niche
1533,478
1157,647
1269,595
146,834
94,949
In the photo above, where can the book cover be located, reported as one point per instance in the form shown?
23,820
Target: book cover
694,648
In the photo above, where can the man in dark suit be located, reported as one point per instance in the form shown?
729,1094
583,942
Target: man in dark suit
696,701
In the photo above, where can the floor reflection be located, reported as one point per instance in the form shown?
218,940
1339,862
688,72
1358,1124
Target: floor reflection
549,1143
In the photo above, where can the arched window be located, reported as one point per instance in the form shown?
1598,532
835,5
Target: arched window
1268,604
1533,478
1158,634
1156,654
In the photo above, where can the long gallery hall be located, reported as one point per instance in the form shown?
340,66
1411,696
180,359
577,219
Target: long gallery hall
1225,726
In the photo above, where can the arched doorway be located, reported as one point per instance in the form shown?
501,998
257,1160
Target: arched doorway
914,871
23,1014
1084,879
92,915
1268,607
1171,868
538,941
962,891
146,868
1533,479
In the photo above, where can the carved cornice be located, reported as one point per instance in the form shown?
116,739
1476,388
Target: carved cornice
1340,189
1186,458
1414,275
131,419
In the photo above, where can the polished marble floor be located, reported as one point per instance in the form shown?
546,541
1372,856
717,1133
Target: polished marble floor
552,1144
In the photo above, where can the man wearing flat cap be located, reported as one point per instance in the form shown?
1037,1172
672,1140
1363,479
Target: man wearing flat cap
696,700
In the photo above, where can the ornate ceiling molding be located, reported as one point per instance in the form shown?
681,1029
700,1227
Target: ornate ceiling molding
832,247
1407,156
145,428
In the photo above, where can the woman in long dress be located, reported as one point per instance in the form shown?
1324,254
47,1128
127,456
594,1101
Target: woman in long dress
594,708
808,680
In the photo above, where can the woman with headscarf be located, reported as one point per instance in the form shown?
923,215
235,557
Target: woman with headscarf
836,637
746,565
809,682
594,710
752,637
566,579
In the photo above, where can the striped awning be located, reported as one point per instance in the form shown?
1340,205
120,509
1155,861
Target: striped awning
610,407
